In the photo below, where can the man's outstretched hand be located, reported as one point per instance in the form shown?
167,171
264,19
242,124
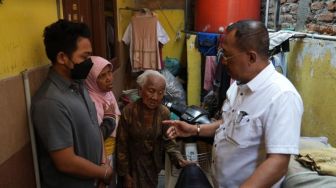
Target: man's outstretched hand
179,129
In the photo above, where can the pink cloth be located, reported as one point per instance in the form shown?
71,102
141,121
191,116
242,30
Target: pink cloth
209,73
99,97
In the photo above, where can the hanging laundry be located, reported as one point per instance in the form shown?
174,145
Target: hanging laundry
143,35
207,43
209,72
277,38
279,45
280,63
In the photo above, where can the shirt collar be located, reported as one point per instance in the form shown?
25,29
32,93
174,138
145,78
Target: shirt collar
263,76
59,81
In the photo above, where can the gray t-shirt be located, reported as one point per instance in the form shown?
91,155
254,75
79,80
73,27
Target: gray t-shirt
64,117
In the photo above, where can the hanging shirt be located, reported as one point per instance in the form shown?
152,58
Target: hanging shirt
209,72
143,35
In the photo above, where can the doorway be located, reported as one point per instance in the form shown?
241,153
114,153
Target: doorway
100,16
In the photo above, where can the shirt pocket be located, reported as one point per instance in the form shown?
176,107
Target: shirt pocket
246,133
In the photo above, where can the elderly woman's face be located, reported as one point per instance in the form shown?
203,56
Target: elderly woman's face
105,78
153,91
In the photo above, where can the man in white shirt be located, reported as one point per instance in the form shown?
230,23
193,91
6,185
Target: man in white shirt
261,117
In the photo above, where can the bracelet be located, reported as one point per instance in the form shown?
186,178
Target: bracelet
198,129
106,172
110,116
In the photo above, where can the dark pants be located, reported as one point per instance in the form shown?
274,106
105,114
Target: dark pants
192,176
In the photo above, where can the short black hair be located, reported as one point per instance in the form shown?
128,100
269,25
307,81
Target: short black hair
251,34
62,36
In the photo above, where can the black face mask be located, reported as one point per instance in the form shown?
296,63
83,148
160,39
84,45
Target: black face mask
81,70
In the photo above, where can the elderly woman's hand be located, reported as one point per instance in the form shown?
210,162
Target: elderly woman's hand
179,129
109,110
183,162
128,181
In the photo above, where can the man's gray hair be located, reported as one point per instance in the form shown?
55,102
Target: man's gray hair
141,80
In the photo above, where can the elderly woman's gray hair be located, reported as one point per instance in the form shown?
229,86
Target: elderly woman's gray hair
141,80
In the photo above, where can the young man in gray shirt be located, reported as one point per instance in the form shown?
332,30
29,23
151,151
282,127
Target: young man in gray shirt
69,141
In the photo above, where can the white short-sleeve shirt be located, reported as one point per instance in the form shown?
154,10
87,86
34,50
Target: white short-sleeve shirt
260,117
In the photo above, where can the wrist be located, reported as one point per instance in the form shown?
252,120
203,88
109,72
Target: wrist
109,116
194,130
107,174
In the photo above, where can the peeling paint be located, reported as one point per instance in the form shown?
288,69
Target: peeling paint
318,49
311,72
312,69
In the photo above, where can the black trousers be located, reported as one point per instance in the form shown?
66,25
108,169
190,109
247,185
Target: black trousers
192,176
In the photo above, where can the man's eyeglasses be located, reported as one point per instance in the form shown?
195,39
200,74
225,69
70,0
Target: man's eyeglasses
221,56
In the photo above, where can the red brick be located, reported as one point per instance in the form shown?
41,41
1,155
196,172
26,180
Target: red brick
293,8
310,26
327,29
313,27
333,30
326,17
317,5
286,18
324,29
331,5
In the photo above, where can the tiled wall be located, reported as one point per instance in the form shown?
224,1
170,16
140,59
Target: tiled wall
16,164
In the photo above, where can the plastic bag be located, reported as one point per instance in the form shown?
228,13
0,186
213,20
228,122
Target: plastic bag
172,65
174,89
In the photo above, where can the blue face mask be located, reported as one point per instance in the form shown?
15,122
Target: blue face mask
80,71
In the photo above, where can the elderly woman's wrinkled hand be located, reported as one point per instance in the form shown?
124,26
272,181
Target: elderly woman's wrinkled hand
171,132
128,181
109,110
183,162
179,129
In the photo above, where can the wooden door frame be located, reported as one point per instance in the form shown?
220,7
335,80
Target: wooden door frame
98,28
92,13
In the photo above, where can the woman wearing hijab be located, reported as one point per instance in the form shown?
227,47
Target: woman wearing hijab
99,85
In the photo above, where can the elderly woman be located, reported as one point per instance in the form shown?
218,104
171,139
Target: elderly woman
141,139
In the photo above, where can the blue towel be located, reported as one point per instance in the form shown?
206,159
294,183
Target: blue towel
207,43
